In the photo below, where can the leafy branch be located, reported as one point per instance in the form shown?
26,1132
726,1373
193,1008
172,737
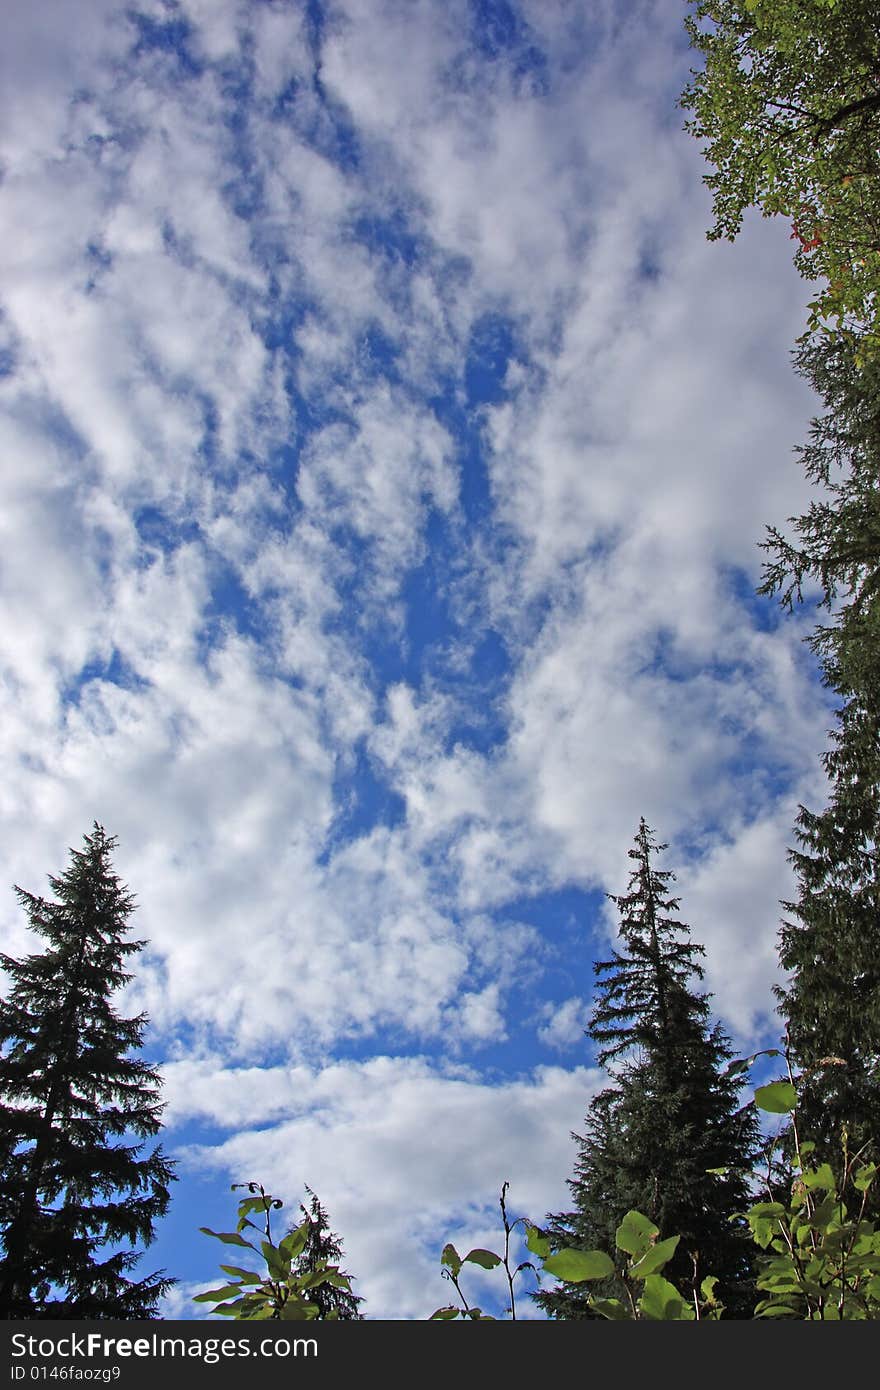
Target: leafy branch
280,1291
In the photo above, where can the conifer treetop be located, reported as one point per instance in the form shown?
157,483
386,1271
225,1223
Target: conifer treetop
642,984
76,1105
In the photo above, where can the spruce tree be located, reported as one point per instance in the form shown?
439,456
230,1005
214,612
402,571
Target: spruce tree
671,1114
830,942
78,1189
323,1249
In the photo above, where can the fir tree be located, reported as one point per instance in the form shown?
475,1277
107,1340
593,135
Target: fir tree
77,1189
671,1114
831,941
323,1249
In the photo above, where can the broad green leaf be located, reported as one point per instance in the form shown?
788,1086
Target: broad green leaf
230,1310
451,1257
486,1259
297,1310
864,1176
247,1276
828,1214
661,1301
294,1243
779,1098
761,1209
537,1242
574,1266
707,1288
635,1233
248,1204
228,1237
763,1219
737,1067
718,1172
215,1295
655,1258
444,1314
775,1310
611,1308
278,1262
821,1177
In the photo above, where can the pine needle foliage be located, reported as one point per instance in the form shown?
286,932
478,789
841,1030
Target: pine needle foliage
668,1137
79,1189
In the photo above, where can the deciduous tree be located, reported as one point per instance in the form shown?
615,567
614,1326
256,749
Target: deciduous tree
787,104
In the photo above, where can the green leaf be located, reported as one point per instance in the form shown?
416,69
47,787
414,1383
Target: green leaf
230,1310
763,1219
611,1308
821,1177
635,1233
486,1259
537,1242
294,1243
451,1257
297,1310
215,1295
775,1310
864,1176
827,1214
655,1258
278,1262
661,1301
779,1098
444,1314
574,1266
248,1204
228,1237
266,1310
247,1276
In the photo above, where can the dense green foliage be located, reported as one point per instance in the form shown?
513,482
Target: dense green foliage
77,1190
822,1249
831,940
787,104
788,107
668,1137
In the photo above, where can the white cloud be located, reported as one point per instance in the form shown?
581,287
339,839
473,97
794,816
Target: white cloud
565,1024
402,1155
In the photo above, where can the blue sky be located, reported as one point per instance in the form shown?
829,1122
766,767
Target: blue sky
385,452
